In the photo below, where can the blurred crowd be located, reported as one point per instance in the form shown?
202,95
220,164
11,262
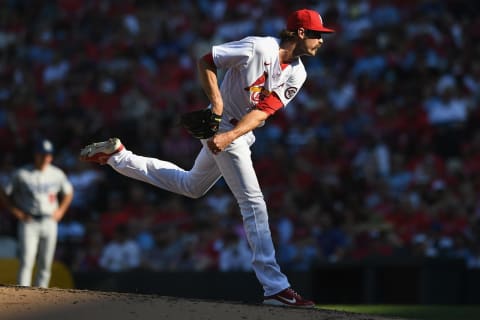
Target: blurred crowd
378,155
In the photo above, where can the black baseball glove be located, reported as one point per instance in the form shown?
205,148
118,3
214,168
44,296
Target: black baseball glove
201,124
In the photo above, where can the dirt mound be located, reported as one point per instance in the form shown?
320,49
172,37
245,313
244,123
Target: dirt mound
35,303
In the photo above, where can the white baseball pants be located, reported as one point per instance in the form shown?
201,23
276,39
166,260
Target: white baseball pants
36,237
236,167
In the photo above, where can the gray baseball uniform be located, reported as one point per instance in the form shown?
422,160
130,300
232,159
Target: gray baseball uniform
35,192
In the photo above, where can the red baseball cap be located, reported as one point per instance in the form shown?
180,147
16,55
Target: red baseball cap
307,19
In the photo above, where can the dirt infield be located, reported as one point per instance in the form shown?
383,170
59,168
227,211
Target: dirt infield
21,303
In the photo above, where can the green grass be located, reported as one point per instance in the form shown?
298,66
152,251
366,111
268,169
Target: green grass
418,312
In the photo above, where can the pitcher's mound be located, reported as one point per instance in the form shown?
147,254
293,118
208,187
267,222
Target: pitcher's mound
52,304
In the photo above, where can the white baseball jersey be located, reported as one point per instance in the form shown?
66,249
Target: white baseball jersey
254,69
35,192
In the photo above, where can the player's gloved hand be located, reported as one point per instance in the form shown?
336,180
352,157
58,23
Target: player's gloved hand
201,124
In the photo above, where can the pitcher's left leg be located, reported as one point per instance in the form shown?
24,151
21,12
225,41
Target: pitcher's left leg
237,169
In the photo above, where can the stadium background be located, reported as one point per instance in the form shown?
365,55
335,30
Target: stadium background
374,163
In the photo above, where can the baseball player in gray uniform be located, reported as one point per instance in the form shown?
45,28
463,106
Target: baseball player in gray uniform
38,195
263,74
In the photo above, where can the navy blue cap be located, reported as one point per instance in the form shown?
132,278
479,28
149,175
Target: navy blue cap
44,146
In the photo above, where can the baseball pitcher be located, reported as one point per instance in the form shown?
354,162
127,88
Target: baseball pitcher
262,75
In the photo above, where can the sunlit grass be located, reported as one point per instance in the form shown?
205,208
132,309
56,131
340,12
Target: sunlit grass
419,312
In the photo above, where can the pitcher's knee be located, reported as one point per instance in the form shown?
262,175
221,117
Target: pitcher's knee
252,201
254,207
195,193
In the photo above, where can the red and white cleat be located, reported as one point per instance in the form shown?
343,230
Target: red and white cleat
288,298
100,152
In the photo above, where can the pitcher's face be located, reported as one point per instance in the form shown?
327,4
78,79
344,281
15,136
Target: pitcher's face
309,42
312,46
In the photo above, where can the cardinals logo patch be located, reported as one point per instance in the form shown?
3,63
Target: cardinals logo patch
290,92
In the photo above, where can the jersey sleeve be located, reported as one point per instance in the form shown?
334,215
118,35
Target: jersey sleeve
270,104
208,58
287,91
232,54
